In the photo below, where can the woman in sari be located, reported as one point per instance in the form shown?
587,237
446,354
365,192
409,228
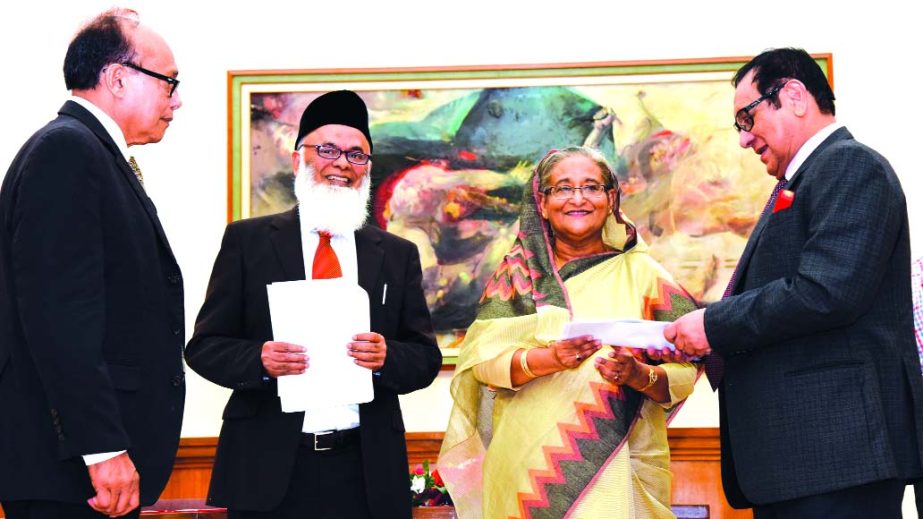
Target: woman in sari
543,427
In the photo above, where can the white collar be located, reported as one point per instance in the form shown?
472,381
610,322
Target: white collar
808,148
108,124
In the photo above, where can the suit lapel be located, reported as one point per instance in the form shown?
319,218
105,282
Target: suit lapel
841,133
80,113
286,239
369,259
748,251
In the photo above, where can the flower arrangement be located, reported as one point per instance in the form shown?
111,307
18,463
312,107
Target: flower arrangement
427,488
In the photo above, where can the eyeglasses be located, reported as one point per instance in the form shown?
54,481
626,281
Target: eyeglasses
568,192
171,80
331,152
743,121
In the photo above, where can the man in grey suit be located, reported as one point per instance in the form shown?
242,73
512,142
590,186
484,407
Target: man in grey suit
820,402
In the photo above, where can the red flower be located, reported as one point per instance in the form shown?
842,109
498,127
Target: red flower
783,201
427,487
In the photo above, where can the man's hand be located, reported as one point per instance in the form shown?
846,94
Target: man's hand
283,358
117,486
688,334
369,350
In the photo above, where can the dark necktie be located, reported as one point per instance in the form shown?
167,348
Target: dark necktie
714,364
326,265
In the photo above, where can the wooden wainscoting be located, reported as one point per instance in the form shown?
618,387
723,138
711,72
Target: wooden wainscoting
192,470
695,460
695,463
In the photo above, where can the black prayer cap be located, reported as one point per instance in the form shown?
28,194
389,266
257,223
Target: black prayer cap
339,107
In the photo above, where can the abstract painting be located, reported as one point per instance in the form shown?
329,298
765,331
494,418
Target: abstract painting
453,149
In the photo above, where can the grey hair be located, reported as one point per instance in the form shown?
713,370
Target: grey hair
553,158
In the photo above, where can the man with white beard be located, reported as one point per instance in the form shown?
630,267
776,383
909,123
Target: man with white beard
342,462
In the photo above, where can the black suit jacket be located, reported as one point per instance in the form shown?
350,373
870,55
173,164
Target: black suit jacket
257,446
91,317
822,389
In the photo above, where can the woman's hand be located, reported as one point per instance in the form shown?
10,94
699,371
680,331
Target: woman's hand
668,355
621,367
569,353
557,356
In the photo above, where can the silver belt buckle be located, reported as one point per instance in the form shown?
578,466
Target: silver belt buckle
316,448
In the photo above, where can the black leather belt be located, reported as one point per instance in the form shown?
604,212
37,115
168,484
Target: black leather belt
330,440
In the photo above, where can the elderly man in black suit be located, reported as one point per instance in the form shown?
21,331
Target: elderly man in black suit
91,297
820,402
344,462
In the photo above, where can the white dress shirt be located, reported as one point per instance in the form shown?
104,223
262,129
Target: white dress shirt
346,416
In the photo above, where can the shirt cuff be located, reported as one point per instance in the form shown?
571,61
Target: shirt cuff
93,459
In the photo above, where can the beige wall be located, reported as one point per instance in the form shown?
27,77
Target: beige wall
878,95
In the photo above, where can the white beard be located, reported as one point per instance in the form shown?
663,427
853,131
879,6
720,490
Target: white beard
338,210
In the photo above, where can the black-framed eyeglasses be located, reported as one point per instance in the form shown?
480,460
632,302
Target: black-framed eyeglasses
743,120
568,192
171,80
331,152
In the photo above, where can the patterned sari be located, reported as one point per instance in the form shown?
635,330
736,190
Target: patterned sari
568,444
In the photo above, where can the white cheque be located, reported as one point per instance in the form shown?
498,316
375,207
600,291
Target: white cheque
322,315
632,333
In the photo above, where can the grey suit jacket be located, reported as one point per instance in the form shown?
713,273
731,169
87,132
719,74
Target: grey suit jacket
822,388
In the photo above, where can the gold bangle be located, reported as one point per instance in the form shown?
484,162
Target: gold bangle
524,364
651,379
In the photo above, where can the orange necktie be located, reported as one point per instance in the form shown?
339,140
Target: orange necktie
326,265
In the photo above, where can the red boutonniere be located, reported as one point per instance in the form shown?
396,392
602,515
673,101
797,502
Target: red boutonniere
783,201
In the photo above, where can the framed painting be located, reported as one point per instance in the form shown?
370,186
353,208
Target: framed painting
453,148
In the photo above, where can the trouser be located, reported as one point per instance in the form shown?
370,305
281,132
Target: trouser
881,500
325,485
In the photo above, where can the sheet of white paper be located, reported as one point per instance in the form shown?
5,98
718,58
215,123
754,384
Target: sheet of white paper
632,333
322,315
